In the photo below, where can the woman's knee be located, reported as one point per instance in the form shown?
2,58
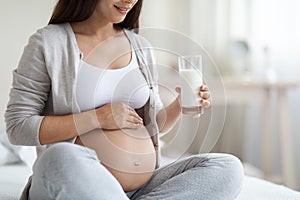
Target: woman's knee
65,169
234,167
61,156
226,165
228,161
231,168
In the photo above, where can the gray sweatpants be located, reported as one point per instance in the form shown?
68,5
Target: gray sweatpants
68,171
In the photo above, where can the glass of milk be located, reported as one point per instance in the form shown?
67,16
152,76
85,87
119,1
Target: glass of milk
190,71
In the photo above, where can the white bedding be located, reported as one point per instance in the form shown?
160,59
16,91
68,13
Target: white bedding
12,180
14,177
258,189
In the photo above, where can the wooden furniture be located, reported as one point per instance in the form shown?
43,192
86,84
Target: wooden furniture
249,92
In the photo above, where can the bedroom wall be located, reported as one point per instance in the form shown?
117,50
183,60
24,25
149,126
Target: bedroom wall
18,20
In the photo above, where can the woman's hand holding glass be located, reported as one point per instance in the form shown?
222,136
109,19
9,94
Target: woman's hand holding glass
116,116
204,102
204,94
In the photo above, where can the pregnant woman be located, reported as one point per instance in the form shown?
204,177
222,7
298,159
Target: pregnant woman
85,94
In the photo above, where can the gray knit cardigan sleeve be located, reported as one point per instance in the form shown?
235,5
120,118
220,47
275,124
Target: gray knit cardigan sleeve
28,95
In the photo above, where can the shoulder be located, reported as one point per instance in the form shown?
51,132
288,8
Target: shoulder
54,42
54,32
54,38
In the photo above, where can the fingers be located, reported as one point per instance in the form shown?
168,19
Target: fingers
205,103
132,125
121,116
204,94
133,119
132,113
203,88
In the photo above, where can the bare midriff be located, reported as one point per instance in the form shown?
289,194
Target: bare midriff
128,154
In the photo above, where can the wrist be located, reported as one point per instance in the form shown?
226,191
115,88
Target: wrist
85,121
176,105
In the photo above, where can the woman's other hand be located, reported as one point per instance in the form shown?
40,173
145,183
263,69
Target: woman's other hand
118,116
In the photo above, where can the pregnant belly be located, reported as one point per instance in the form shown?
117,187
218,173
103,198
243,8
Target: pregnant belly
128,154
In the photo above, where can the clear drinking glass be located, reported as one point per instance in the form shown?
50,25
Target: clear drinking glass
190,71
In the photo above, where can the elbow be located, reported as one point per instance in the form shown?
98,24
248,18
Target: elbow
12,136
17,137
162,122
23,132
12,124
164,130
163,127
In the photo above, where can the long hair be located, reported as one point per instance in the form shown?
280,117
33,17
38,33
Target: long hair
80,10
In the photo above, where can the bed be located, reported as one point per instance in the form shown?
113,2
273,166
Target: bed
13,178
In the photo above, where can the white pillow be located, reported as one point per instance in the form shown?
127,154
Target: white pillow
6,156
13,153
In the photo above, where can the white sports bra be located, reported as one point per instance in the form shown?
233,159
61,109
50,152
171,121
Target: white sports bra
97,87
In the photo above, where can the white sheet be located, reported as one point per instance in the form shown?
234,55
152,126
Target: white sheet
258,189
12,180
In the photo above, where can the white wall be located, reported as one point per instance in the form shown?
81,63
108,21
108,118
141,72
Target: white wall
197,19
18,20
174,18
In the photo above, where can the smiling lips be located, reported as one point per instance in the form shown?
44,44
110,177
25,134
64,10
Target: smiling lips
123,10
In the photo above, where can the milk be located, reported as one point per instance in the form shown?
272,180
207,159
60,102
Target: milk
190,81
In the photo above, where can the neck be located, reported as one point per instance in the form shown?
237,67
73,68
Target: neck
92,27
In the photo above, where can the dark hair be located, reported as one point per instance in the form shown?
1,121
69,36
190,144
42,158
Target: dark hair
80,10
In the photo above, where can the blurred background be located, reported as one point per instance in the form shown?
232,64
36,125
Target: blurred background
256,46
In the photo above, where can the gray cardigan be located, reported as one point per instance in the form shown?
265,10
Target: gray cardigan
44,83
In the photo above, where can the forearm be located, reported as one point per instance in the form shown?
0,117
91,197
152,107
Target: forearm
167,117
60,128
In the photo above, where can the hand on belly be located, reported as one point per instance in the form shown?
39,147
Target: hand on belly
128,154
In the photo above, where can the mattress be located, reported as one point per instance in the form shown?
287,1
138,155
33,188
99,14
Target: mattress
12,180
258,189
14,177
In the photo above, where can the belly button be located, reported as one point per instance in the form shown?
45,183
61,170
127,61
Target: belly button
136,164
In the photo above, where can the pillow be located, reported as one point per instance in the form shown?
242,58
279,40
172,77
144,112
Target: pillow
13,153
6,156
